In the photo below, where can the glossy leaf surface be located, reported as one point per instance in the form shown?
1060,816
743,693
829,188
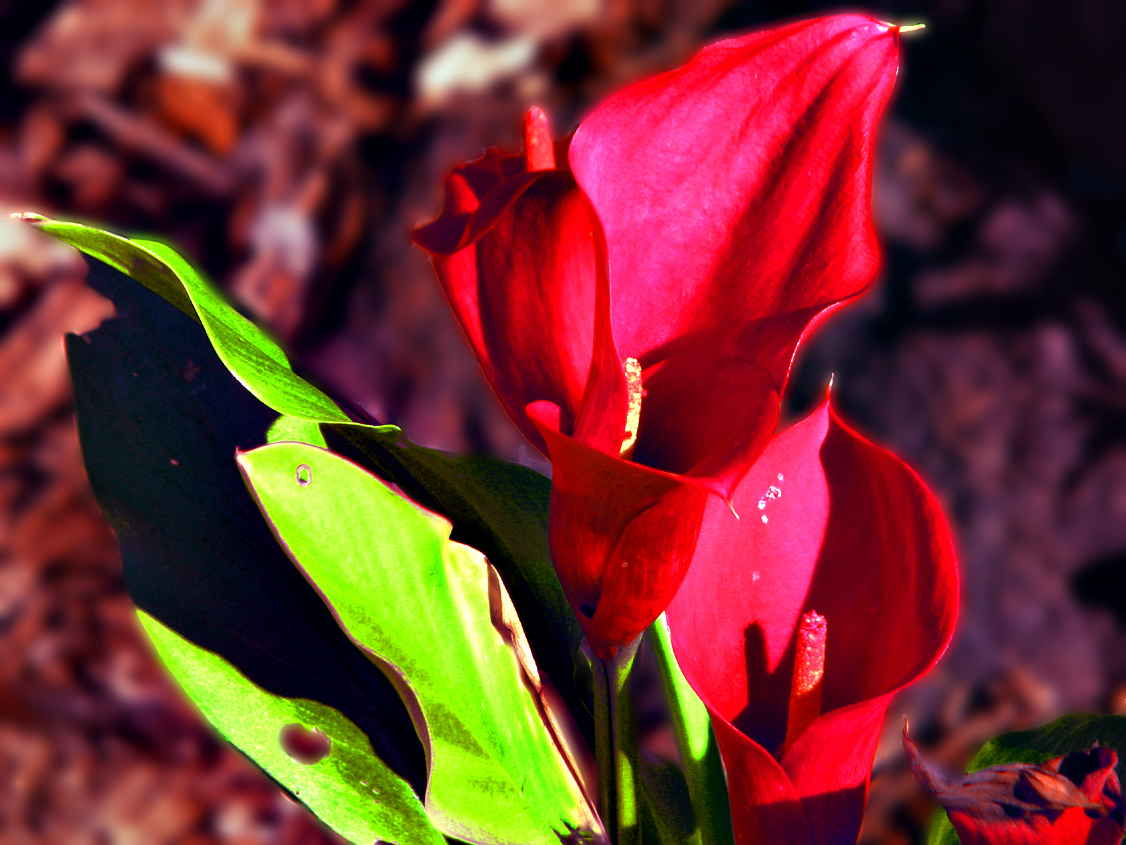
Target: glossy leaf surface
159,419
1064,735
349,789
255,360
497,507
501,509
436,616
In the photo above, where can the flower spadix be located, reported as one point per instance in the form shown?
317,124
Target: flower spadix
797,629
635,293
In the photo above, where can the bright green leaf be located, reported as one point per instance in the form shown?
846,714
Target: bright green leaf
159,420
703,767
297,431
436,616
254,359
1075,732
499,508
496,507
350,789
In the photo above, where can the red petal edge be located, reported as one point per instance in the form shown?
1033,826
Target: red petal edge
851,532
735,191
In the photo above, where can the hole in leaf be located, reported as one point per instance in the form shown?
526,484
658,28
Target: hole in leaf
303,745
304,475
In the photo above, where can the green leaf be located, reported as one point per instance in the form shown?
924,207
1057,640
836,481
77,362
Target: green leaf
499,508
666,808
160,419
706,782
295,430
350,789
434,614
1075,732
496,507
254,359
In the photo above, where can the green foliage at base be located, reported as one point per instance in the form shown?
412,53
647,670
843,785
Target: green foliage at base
350,789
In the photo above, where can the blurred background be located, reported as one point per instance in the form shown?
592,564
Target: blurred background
288,147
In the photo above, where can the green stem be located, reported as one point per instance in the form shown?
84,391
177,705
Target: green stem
615,741
703,769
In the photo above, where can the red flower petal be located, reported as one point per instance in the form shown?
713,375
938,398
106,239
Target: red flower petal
765,805
524,270
834,524
726,209
707,417
621,535
735,191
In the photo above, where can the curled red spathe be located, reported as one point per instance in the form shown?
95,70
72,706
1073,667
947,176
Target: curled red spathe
830,523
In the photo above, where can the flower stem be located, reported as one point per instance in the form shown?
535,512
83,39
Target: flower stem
615,743
703,769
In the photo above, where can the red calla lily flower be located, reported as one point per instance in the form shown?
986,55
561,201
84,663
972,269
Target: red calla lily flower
1075,799
635,295
797,623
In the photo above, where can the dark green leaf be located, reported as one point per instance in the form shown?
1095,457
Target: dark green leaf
666,808
160,418
255,360
497,507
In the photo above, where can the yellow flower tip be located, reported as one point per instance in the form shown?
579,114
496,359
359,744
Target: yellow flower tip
829,386
632,369
915,27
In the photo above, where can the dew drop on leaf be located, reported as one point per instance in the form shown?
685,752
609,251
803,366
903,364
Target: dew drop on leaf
304,475
303,745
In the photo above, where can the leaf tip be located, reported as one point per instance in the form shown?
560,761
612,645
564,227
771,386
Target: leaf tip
29,217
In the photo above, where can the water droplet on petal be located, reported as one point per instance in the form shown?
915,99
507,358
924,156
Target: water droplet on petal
304,746
773,492
755,576
779,476
304,475
765,519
